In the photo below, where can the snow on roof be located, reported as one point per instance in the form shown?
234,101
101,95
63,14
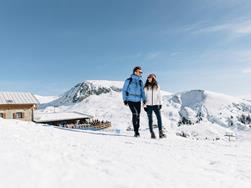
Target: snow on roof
59,116
17,98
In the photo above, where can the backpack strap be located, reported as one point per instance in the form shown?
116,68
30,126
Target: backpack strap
140,83
130,81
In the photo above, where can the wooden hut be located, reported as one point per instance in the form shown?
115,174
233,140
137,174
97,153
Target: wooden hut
17,105
62,118
70,119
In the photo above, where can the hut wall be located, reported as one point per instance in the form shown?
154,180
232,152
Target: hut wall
10,111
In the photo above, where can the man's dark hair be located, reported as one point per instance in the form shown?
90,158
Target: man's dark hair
136,68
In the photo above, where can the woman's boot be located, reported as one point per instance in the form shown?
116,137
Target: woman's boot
162,134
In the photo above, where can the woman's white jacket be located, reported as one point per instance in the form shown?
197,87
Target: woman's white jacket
153,96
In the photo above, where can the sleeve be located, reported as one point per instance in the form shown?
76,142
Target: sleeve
143,94
124,90
145,90
159,96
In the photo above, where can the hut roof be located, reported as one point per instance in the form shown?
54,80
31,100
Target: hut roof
59,116
17,98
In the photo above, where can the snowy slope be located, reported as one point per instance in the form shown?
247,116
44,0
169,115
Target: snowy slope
207,113
37,156
46,99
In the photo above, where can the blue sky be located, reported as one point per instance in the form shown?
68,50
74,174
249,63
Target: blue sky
48,46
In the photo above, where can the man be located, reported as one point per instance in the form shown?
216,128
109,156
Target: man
133,94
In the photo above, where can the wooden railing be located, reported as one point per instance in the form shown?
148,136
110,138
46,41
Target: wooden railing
100,125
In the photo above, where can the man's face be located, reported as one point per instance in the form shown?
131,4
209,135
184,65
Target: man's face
138,72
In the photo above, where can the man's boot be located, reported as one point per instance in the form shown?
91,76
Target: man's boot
136,134
153,135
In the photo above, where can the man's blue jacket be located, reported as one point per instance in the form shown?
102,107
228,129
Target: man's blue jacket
134,90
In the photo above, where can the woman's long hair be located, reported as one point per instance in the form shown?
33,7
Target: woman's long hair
153,84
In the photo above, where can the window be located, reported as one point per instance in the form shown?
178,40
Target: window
1,115
9,101
18,115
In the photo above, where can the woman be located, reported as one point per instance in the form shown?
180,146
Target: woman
153,104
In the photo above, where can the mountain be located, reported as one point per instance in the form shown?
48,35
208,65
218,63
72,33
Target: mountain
197,109
85,89
199,105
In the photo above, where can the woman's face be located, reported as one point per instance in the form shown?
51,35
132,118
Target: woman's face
150,79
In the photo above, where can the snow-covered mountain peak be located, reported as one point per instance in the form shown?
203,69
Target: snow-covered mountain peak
199,97
85,89
189,98
200,105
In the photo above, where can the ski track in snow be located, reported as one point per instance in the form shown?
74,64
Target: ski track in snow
44,156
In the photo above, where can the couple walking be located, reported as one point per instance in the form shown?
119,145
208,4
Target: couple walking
134,91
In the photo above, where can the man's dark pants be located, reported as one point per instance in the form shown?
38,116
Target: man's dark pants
135,108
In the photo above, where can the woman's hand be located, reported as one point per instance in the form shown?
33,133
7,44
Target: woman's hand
145,108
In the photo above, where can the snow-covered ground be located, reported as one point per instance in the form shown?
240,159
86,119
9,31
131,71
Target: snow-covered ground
196,152
44,156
